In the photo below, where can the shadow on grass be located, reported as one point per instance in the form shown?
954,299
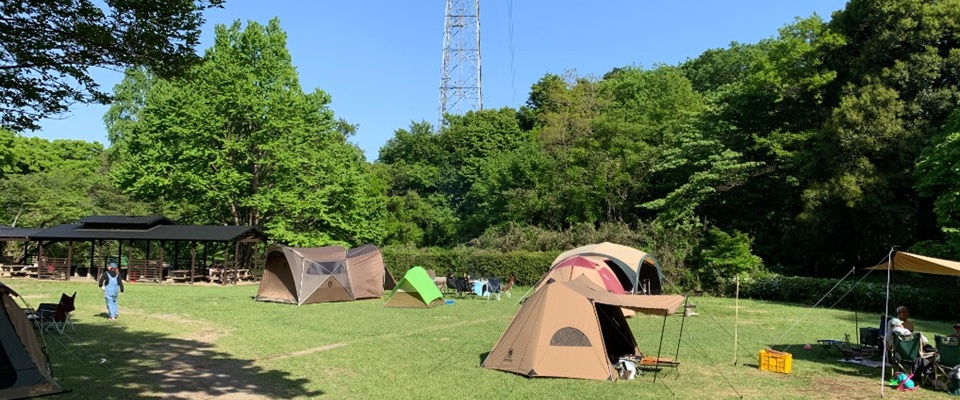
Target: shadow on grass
827,354
483,357
111,362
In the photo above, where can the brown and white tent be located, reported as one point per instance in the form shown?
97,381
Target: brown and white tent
637,271
573,329
24,371
322,274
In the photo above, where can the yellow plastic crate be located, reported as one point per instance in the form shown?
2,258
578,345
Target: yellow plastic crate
776,361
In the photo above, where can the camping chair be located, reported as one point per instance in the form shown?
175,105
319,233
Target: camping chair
57,315
493,288
463,287
451,286
906,350
948,348
506,288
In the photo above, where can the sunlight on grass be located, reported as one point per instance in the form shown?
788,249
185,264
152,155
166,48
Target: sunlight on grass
216,341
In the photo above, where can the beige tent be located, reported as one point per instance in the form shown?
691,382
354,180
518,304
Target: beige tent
638,271
24,371
573,329
313,275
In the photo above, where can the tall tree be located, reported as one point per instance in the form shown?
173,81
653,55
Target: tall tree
47,49
241,143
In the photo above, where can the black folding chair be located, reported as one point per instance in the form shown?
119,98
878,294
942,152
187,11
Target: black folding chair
57,316
493,288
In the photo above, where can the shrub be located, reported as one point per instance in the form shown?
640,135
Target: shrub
936,303
527,266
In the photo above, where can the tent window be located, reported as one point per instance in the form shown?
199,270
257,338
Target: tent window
572,337
325,267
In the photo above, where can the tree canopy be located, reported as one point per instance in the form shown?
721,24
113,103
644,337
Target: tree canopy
48,48
239,142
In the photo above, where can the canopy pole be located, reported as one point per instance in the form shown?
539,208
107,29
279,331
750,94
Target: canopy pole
657,364
856,316
676,357
736,320
886,311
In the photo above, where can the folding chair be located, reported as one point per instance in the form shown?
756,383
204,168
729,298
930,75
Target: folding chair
493,288
507,288
57,315
948,348
451,286
906,350
463,287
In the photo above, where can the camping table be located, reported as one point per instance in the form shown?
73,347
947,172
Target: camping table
826,345
845,348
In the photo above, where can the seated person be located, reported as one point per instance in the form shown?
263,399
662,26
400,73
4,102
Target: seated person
896,326
956,331
903,313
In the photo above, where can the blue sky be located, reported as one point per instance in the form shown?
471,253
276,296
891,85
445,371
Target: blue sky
381,60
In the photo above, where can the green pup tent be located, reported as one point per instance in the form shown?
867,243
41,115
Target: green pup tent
415,290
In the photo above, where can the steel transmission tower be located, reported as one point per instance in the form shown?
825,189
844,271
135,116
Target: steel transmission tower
460,76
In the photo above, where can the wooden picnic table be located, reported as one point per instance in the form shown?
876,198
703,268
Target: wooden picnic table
17,270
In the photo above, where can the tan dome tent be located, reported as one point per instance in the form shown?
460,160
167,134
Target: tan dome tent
592,267
321,274
638,272
24,371
573,329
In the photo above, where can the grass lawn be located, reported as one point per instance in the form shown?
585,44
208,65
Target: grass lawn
200,341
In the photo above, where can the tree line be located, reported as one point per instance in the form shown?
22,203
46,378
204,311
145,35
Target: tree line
807,153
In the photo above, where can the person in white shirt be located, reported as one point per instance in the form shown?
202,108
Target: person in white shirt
896,326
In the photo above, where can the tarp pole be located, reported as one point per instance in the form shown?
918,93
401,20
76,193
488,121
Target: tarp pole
657,364
856,316
736,320
886,310
676,357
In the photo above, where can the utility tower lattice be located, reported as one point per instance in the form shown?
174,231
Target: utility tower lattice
460,75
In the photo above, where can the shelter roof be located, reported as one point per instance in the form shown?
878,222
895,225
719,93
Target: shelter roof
124,221
916,263
9,233
146,230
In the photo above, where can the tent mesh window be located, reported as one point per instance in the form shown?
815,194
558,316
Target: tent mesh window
325,267
568,336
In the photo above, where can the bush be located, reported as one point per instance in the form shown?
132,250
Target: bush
934,303
527,266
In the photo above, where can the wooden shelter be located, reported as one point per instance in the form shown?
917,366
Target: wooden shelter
240,246
15,262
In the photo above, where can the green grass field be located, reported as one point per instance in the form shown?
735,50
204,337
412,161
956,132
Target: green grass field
201,341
